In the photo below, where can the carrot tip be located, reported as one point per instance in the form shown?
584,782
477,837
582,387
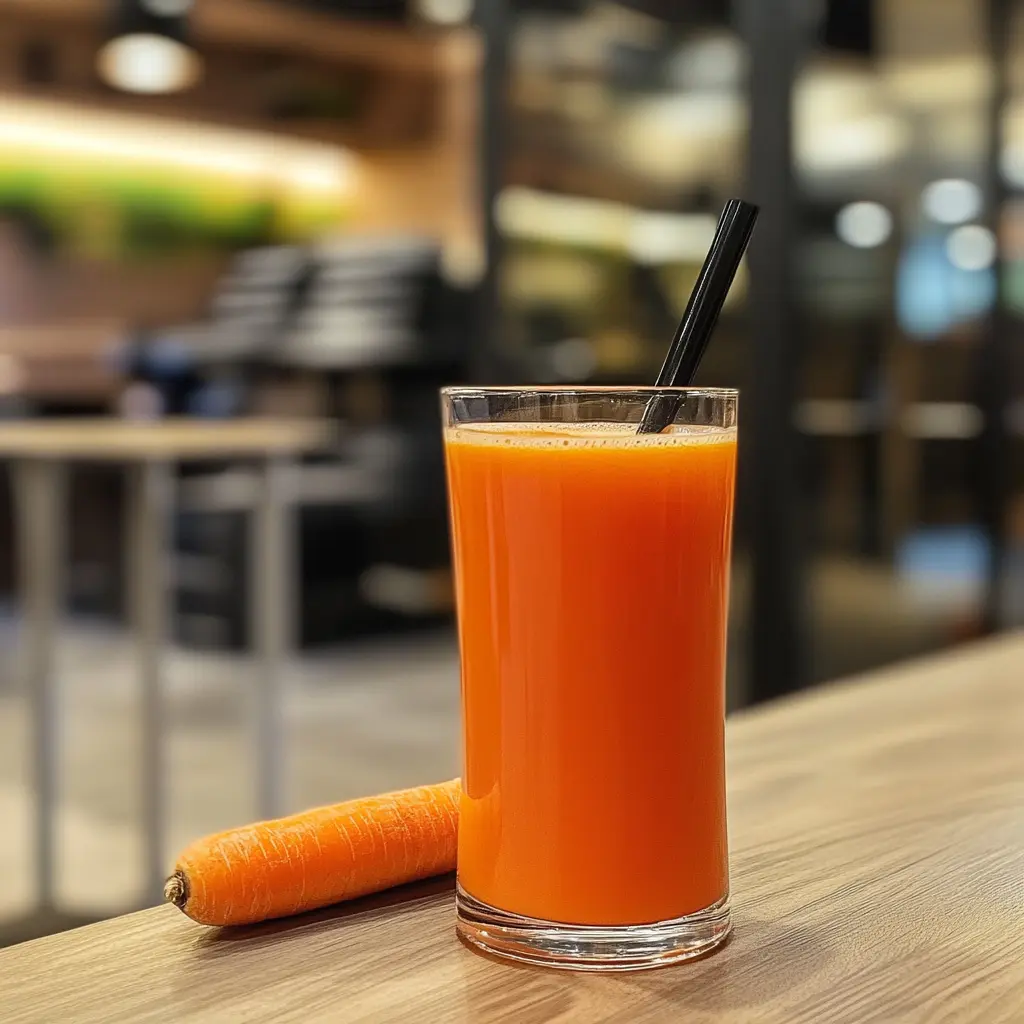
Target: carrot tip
176,890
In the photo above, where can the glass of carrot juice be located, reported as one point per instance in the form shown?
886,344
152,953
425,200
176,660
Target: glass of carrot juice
592,580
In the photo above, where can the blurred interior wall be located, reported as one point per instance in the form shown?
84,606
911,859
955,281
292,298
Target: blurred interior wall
433,189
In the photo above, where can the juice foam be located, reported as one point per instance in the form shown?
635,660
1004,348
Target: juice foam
586,435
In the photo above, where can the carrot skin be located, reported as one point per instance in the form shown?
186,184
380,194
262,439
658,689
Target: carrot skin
319,857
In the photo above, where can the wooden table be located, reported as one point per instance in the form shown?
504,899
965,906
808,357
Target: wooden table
39,451
878,875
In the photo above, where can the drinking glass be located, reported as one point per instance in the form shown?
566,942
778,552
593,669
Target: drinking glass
592,577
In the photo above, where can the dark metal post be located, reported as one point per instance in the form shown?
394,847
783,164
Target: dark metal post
995,354
770,444
495,23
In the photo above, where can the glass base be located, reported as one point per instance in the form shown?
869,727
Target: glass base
580,947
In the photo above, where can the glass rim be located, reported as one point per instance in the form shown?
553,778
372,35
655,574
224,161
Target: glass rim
647,390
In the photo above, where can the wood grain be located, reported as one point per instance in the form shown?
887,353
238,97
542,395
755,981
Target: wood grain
878,875
173,439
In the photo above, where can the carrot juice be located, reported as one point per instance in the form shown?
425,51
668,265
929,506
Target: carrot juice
592,569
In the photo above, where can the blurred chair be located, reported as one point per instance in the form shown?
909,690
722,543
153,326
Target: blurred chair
251,306
371,320
364,305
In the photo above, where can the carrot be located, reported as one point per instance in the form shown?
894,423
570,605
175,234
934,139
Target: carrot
318,857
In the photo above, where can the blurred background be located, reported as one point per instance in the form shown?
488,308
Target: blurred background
325,209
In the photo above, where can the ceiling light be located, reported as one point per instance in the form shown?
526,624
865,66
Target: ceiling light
864,225
848,145
446,12
148,50
1011,164
69,136
951,201
711,63
971,247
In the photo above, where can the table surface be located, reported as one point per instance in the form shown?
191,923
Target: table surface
878,875
122,440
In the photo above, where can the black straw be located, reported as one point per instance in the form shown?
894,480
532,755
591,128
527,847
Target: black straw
698,322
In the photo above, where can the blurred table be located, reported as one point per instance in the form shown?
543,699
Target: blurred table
878,875
39,451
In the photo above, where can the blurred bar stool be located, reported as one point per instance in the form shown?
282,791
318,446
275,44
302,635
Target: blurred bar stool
40,452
